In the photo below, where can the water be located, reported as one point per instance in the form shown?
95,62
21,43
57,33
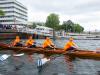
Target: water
22,65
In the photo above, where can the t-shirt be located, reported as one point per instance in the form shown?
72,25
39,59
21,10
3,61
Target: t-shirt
68,45
47,43
30,42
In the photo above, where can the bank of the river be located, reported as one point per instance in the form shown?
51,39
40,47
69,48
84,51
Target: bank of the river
12,35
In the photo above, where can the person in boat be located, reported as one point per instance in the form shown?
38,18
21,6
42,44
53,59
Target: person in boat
97,50
30,43
48,43
16,42
70,45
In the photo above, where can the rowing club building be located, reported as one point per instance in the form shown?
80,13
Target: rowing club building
15,13
15,17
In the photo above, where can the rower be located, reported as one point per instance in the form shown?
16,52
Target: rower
70,45
48,43
16,42
30,42
97,50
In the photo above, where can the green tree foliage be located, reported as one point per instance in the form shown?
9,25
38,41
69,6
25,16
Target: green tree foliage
69,26
2,13
78,28
59,28
52,21
34,25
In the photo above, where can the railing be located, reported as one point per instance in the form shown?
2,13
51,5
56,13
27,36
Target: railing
8,30
24,30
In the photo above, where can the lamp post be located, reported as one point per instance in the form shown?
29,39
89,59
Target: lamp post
54,33
15,23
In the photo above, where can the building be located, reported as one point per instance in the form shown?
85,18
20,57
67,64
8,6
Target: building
15,13
44,30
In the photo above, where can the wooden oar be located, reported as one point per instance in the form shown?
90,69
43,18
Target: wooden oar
4,46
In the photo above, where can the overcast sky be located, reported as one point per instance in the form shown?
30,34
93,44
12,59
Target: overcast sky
84,12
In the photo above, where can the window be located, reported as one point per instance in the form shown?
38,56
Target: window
6,20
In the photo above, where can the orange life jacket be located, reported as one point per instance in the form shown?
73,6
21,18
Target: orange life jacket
16,41
46,43
68,45
30,42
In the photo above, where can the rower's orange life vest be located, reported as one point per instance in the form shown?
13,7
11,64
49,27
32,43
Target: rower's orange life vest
68,45
16,41
30,42
46,43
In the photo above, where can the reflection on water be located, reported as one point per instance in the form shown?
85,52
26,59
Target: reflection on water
70,66
59,66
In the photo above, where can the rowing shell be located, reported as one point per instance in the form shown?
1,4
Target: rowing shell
84,54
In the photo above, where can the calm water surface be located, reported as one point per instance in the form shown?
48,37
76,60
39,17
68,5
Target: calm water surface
55,67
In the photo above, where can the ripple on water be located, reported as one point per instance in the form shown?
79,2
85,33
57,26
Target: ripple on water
55,67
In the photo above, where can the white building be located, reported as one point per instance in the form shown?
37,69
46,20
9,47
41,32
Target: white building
15,13
44,30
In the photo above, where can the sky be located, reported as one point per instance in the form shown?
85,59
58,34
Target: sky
84,12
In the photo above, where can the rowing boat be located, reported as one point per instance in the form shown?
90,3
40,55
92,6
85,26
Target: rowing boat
84,54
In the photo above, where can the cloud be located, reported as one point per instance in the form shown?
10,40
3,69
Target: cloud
88,7
84,12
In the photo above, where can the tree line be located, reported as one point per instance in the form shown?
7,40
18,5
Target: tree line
52,21
68,26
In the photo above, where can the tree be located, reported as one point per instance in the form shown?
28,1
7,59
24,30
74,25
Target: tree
78,28
59,28
2,13
34,25
52,21
68,26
